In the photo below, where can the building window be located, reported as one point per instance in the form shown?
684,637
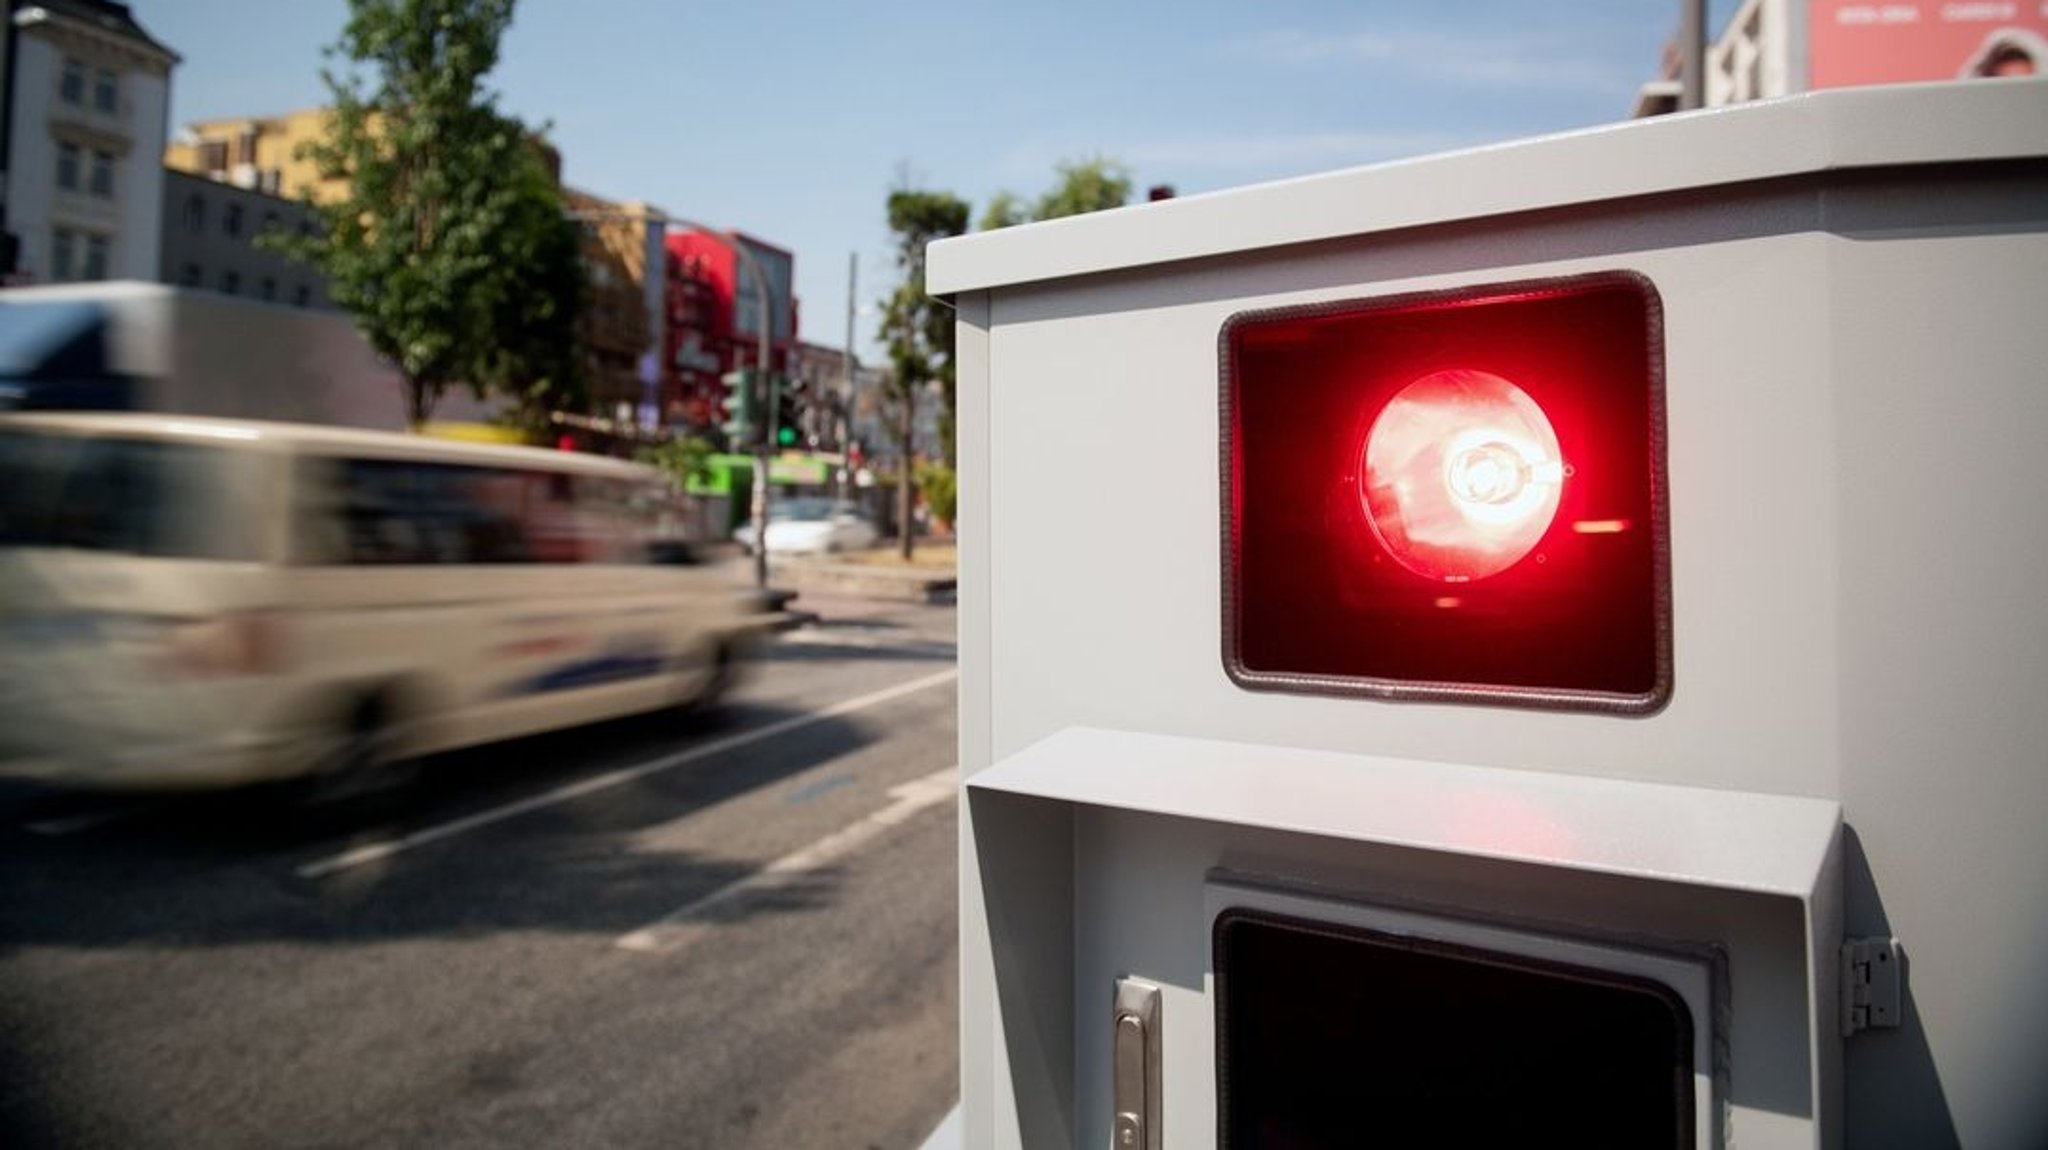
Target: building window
195,214
72,88
231,283
269,222
68,156
95,258
213,156
231,220
269,289
189,276
301,296
63,254
103,175
106,91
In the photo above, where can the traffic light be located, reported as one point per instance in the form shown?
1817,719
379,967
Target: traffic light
789,405
738,407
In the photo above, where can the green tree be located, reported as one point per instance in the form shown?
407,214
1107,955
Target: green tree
940,487
1004,210
686,461
428,247
918,331
1092,185
1083,186
529,350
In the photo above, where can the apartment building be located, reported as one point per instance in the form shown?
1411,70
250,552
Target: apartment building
260,153
622,304
267,154
87,107
1771,48
211,240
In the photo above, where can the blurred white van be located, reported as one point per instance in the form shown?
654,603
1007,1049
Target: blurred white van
194,602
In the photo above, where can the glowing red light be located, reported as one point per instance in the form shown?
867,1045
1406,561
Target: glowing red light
1461,475
1601,526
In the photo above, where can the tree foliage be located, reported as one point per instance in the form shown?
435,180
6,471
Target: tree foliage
528,351
940,487
916,329
1004,210
1092,185
686,461
449,247
1082,186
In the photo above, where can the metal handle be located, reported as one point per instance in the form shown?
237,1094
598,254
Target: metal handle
1135,1067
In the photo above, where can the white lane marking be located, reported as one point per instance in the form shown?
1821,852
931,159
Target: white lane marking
672,930
811,636
85,821
375,851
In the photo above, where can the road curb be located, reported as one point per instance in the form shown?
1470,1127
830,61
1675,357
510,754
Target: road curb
791,620
861,581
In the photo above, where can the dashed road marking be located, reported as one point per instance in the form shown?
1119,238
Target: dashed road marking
380,850
82,821
678,928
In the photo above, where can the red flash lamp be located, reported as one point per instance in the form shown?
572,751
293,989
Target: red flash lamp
1454,497
1461,475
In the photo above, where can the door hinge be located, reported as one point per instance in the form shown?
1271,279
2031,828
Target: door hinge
1870,984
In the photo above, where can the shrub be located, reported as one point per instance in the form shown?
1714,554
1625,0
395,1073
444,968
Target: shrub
941,490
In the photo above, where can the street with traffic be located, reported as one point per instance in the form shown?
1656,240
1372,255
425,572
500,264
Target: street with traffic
734,928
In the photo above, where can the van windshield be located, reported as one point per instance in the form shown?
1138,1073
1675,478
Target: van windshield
131,496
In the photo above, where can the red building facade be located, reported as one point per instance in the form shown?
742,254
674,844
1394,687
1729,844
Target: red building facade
714,316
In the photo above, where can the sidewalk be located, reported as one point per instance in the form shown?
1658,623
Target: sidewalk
805,588
930,577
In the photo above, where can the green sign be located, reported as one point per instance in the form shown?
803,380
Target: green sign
800,469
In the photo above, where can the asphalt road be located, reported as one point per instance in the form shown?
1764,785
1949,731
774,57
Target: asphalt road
732,931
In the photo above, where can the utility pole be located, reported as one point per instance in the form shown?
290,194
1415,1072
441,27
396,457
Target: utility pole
846,391
760,500
908,432
1692,55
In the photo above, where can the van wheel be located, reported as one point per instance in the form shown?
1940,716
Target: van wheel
715,687
361,760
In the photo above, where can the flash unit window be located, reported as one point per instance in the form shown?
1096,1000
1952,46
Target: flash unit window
1456,497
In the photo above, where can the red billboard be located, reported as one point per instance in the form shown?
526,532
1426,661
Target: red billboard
1899,41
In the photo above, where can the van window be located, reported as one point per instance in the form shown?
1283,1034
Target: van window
386,511
133,496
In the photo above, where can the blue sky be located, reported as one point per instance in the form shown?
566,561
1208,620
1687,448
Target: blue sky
792,121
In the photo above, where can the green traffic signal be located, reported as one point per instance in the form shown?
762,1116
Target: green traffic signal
785,436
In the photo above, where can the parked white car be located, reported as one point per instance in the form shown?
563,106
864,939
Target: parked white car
811,527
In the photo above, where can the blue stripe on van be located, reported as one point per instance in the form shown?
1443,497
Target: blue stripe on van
597,672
